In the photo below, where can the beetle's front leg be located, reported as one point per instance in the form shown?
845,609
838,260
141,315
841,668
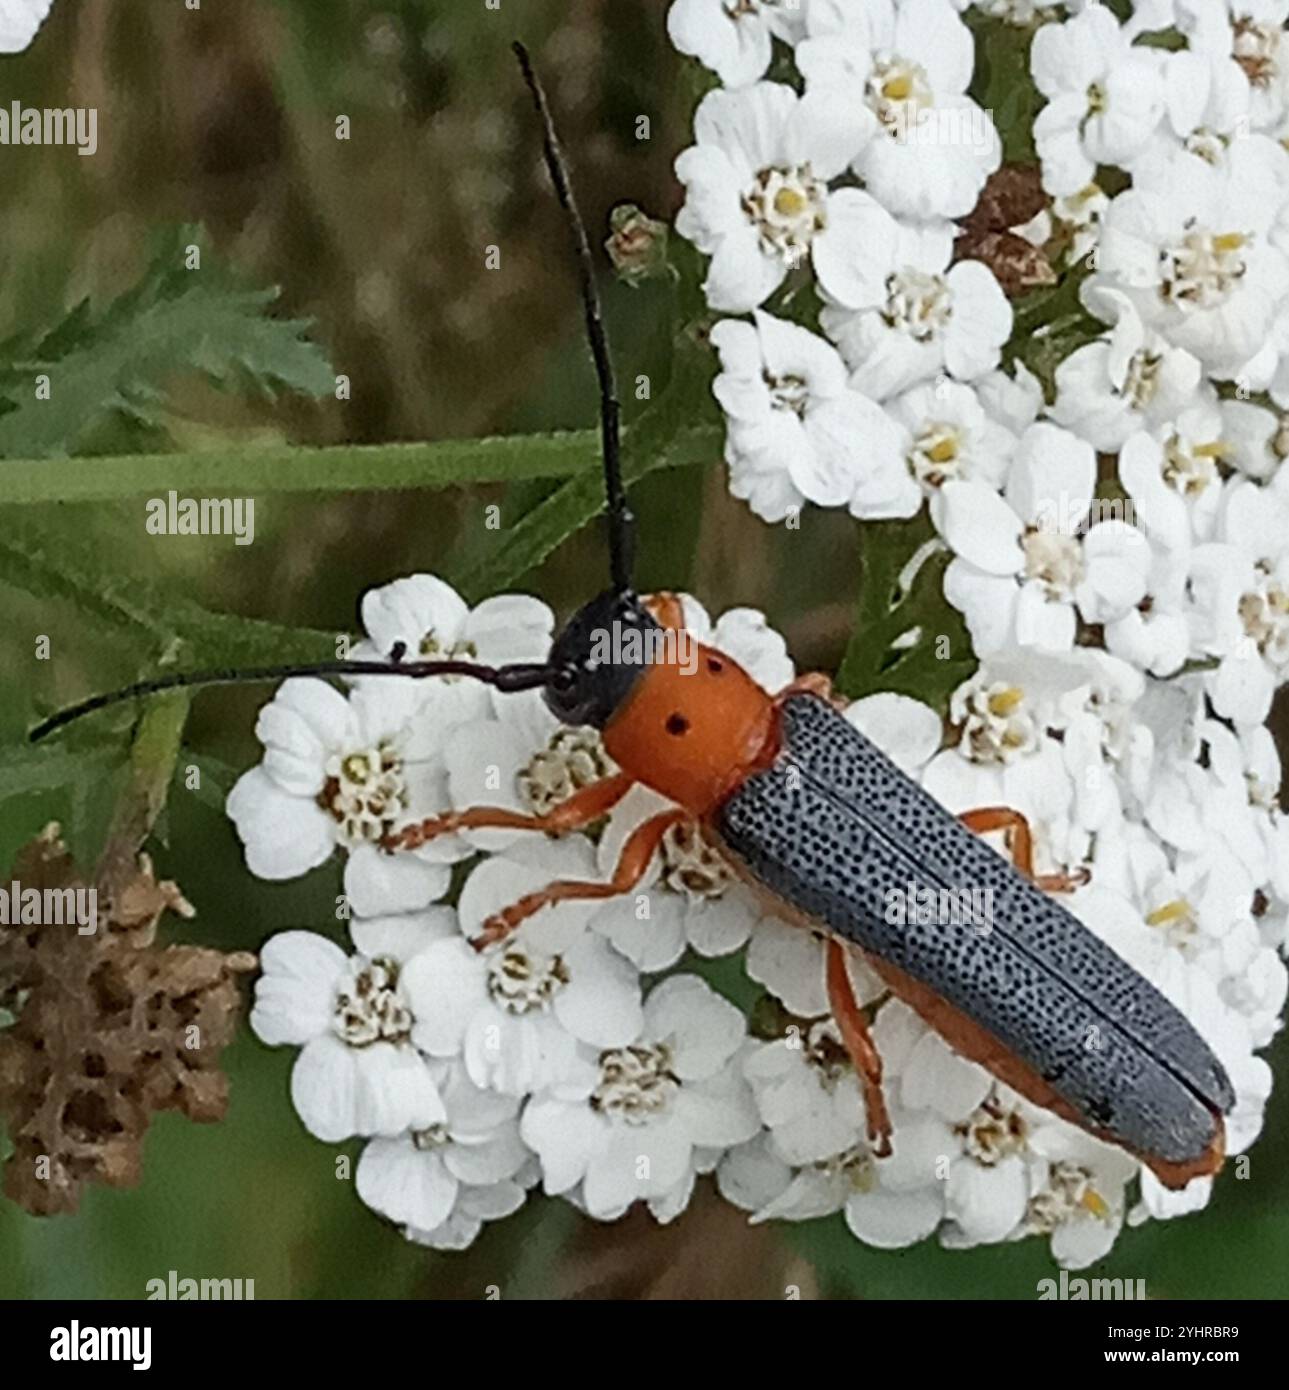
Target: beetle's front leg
1020,845
860,1047
641,846
586,805
667,610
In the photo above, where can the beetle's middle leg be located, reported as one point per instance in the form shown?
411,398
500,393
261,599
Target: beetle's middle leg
1020,845
586,805
637,854
860,1046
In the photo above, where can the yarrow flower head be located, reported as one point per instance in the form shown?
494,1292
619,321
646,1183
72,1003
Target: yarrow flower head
342,774
734,38
928,147
1192,250
758,197
798,431
652,1110
1105,98
921,315
358,1071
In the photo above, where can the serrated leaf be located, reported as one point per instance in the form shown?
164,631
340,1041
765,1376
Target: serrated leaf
175,320
126,603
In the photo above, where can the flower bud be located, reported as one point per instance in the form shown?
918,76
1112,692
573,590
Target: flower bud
638,245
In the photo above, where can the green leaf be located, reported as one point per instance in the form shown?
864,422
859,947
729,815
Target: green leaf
224,639
153,754
31,771
240,470
215,779
1003,86
1050,324
149,612
907,637
119,360
124,602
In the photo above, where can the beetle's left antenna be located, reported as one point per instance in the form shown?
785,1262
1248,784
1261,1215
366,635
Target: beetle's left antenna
621,521
519,676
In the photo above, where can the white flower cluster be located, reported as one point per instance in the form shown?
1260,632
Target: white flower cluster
1183,555
560,1056
885,410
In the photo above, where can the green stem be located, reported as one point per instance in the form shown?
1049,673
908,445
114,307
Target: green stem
152,763
340,468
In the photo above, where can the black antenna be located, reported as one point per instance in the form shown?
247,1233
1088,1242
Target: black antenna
505,678
621,522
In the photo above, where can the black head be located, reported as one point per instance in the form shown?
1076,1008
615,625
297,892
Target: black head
598,657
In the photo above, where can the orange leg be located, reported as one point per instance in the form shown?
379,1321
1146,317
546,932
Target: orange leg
667,610
587,804
1020,844
860,1046
637,853
813,683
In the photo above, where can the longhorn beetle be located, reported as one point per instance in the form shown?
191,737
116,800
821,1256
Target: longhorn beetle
822,825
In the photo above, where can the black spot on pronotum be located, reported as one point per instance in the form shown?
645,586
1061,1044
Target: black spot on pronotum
677,724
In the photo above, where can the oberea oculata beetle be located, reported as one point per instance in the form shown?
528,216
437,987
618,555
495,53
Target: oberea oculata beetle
824,826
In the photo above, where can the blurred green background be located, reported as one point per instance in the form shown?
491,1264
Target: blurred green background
225,116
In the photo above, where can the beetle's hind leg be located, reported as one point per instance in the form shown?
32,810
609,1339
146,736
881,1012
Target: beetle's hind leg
813,683
1020,845
860,1046
637,854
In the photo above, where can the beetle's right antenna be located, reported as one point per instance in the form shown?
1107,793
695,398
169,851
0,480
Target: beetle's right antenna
621,522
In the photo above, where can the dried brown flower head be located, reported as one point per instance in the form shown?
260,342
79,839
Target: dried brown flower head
1012,196
110,1028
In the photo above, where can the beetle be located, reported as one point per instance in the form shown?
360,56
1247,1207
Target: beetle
824,828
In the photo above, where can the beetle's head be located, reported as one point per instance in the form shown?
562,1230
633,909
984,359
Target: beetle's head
597,658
